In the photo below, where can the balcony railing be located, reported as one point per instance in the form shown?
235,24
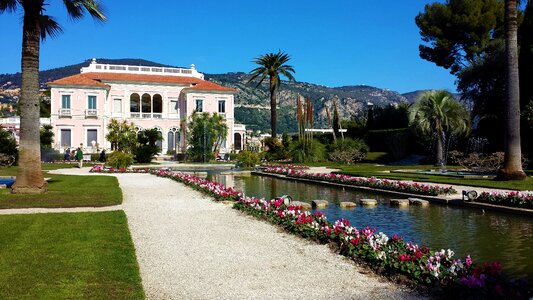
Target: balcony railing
91,113
137,115
65,112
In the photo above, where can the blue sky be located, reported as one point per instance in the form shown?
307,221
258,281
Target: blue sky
331,43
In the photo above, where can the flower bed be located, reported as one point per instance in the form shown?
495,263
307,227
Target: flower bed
436,269
286,166
385,184
104,169
516,199
218,191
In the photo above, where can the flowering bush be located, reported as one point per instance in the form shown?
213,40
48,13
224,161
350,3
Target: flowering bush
214,189
373,182
516,198
437,269
390,255
106,169
286,166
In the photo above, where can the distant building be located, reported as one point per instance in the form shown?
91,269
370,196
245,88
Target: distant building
12,124
151,97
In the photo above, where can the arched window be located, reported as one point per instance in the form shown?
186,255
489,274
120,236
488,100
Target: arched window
146,105
157,104
135,102
173,138
237,140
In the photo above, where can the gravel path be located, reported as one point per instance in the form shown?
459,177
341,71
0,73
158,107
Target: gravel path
189,247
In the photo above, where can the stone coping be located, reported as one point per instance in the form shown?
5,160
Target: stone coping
433,199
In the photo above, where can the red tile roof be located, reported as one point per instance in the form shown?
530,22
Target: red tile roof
79,79
99,79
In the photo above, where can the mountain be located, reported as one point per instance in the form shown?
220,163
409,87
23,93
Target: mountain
413,96
253,104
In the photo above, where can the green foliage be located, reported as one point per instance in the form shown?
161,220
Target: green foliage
286,140
118,159
309,151
459,32
355,128
391,116
347,150
8,147
121,135
438,112
393,141
272,65
348,143
47,136
205,135
248,159
467,37
275,149
146,147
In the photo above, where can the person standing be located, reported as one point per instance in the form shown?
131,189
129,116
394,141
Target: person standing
102,157
79,156
67,154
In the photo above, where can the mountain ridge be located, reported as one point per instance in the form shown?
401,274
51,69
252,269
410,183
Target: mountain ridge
252,104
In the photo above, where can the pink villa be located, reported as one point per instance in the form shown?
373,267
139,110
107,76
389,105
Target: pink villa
151,97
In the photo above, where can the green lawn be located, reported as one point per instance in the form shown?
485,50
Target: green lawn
65,191
372,169
68,256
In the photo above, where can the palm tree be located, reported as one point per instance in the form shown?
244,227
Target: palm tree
272,65
512,165
36,26
437,112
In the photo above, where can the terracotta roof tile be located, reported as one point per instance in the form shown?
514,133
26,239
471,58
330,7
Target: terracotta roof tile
78,79
99,79
209,86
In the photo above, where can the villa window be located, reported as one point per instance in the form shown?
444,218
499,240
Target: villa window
146,106
199,105
65,101
92,135
222,106
65,135
157,104
135,101
117,105
91,102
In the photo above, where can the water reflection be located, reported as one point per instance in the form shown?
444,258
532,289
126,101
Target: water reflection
486,236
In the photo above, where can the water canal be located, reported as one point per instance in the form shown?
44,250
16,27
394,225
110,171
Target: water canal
486,236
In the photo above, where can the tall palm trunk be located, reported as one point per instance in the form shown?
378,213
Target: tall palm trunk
440,149
512,167
273,108
29,177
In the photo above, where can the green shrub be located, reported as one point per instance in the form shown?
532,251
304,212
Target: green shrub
8,147
312,151
248,159
119,159
275,149
145,153
348,150
393,141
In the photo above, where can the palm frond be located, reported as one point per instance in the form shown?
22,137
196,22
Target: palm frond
8,6
77,8
272,64
49,27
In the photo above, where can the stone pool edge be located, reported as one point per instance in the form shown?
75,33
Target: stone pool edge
434,199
